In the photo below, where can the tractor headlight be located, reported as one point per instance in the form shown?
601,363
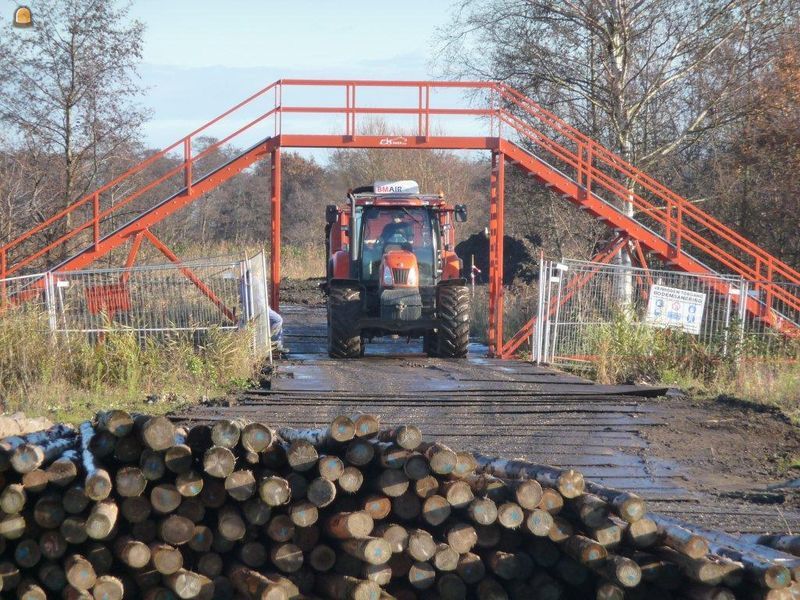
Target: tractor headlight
413,276
388,280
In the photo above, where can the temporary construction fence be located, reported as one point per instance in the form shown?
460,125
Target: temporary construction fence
189,298
578,300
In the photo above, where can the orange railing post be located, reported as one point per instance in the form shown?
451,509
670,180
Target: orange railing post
96,219
187,164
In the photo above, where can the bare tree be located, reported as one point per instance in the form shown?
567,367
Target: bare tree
68,88
647,78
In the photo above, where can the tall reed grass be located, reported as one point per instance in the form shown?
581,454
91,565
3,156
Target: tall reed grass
51,373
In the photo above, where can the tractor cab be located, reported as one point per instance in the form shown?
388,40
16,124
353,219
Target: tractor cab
395,247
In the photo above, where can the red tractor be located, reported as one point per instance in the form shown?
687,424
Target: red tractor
392,271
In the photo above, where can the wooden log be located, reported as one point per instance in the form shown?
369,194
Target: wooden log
178,458
12,527
395,534
306,538
51,576
465,464
165,498
642,533
470,568
256,512
108,587
230,524
131,552
428,486
380,574
36,481
80,572
52,544
367,426
699,591
280,528
446,558
100,556
156,433
48,512
422,575
416,466
405,436
255,586
165,558
569,483
482,511
210,564
392,482
609,534
442,459
152,465
226,433
377,506
219,462
330,467
349,525
435,510
274,491
63,470
461,537
135,509
128,450
489,536
10,576
102,519
351,480
287,557
13,499
421,545
189,484
175,530
458,493
585,550
551,501
301,455
202,539
451,587
620,570
27,553
539,522
303,513
348,588
561,530
510,515
30,590
129,481
186,584
322,558
406,507
97,484
321,492
372,550
257,437
359,453
240,485
118,423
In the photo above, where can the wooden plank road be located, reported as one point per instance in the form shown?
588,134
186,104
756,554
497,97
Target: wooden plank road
505,408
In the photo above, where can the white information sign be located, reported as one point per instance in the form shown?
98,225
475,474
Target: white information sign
675,309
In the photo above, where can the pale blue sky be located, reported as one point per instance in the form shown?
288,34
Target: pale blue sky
201,57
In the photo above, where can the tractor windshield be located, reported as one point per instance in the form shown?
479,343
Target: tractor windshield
412,229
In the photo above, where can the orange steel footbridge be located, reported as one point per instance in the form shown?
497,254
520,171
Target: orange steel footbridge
508,124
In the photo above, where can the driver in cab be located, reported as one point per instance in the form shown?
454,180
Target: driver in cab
397,232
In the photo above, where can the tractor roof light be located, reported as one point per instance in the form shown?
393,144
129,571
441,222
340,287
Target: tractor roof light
23,17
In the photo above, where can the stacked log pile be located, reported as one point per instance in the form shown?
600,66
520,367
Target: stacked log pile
135,507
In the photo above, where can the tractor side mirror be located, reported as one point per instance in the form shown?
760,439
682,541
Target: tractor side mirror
461,213
331,214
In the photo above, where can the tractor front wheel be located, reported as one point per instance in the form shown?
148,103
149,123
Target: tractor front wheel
453,315
344,310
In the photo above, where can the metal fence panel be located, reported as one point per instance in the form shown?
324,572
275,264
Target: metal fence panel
152,301
577,298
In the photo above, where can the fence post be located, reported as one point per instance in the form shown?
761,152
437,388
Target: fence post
49,299
560,269
266,300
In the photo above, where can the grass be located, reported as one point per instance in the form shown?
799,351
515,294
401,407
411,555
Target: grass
628,351
68,379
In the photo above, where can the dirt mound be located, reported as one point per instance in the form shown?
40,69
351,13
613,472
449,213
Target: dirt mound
520,257
302,291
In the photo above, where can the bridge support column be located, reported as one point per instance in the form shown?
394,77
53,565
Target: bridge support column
496,235
275,231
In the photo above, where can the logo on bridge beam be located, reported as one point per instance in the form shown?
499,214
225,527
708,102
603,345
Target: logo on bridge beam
397,140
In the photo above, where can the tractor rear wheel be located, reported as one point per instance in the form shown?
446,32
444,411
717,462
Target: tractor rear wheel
344,309
453,313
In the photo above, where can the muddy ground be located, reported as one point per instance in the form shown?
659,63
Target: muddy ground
728,447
